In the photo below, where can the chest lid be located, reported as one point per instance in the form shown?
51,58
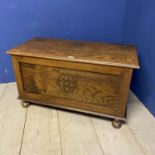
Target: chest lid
79,51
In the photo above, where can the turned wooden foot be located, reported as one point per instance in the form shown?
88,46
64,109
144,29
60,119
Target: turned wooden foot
116,123
25,104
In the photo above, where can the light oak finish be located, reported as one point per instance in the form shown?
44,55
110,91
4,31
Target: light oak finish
71,126
143,127
2,90
45,131
12,119
41,134
116,142
88,76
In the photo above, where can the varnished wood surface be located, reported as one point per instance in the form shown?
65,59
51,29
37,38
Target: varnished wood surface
79,51
47,131
89,88
54,80
86,90
71,65
89,91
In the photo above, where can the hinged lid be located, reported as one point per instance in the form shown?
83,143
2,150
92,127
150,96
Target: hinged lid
79,51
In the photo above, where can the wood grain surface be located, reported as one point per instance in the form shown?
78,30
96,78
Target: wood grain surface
81,86
75,89
70,65
88,76
79,51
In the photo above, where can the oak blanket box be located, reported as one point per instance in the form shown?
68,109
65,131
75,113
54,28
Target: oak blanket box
90,77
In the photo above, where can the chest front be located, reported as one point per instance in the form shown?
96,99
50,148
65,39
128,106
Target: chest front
81,76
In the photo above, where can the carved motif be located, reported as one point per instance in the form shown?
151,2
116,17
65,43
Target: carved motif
67,83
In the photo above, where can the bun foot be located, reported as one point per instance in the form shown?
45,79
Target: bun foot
25,104
116,123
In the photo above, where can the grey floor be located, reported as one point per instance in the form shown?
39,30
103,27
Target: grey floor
46,131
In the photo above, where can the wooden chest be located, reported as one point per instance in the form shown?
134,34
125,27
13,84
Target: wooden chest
89,77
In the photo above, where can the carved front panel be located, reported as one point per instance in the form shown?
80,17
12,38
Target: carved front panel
85,87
